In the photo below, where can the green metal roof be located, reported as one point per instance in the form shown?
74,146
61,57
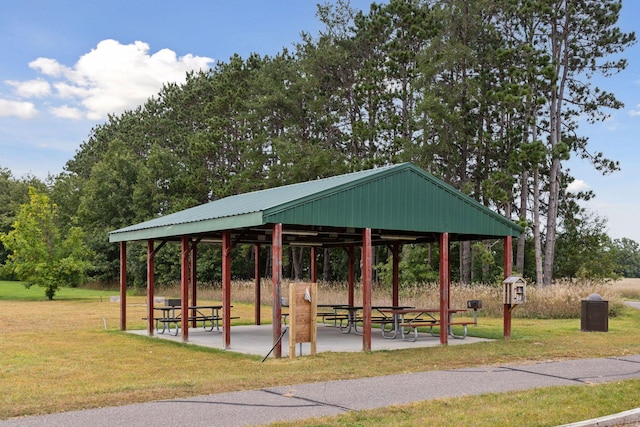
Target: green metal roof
401,198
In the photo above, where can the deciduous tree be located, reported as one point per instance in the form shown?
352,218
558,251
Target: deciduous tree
39,254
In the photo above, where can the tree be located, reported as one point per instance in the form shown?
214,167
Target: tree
39,254
627,256
415,265
13,193
584,246
578,35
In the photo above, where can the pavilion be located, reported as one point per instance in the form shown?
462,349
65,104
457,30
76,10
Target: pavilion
389,205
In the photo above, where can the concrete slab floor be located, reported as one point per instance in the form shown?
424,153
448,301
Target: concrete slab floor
258,340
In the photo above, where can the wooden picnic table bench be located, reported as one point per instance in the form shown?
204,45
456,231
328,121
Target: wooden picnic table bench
171,319
408,320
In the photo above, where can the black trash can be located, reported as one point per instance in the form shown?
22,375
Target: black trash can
595,314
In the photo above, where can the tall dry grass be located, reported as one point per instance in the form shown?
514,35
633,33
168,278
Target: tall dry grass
561,300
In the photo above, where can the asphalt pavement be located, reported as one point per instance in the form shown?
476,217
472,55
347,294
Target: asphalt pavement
301,401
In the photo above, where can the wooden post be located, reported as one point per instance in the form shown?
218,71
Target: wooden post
396,273
123,286
276,279
256,279
508,270
367,272
184,288
351,275
444,288
313,268
226,288
194,297
150,287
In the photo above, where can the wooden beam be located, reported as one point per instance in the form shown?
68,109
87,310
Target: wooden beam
150,286
226,288
123,286
508,256
256,278
445,281
193,279
508,270
184,288
276,280
367,274
351,275
395,250
313,267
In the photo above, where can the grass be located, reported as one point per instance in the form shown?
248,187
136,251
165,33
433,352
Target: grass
561,405
71,351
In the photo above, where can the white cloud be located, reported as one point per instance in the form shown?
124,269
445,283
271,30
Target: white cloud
635,112
31,88
66,112
48,67
110,79
577,185
19,109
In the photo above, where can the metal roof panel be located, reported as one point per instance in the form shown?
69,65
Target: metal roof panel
395,197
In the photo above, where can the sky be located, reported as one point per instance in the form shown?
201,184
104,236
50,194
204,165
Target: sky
66,65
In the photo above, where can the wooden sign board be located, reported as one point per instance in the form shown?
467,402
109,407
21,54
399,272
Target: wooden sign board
303,309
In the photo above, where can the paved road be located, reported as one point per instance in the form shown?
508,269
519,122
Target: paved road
335,397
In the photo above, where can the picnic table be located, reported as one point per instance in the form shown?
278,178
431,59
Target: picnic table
322,313
408,320
348,316
170,318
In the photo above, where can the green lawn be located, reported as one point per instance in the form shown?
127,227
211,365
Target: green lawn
69,354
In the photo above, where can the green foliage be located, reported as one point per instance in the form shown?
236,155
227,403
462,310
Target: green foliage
13,193
418,264
585,248
40,255
462,89
626,253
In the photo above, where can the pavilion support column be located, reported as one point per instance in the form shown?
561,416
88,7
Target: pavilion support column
226,288
184,287
193,280
508,270
351,275
396,273
313,267
123,286
276,280
445,283
150,286
367,274
256,278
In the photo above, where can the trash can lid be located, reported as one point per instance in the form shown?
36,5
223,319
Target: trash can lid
594,297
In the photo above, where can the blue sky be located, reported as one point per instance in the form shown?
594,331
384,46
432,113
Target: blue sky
64,65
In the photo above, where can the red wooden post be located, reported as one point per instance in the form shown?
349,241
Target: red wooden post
226,288
367,273
444,288
396,273
351,276
184,288
314,270
123,286
256,278
150,286
194,278
276,279
508,270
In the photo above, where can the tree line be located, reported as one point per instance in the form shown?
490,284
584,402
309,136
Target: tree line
486,95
